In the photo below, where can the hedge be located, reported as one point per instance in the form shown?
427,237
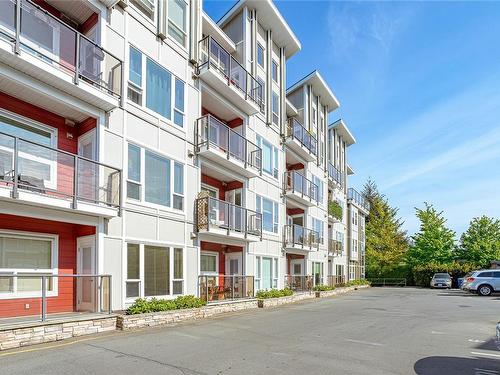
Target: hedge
273,293
142,306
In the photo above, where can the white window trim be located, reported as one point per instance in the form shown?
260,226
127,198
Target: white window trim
261,197
139,10
274,150
184,32
274,272
54,238
210,253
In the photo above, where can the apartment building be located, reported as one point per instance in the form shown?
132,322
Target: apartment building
149,151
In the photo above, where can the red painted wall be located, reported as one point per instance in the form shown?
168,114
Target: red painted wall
289,257
220,185
221,250
68,233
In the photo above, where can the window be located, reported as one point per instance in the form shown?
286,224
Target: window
260,55
147,7
154,271
27,254
177,21
164,93
150,177
276,109
269,157
266,276
317,226
319,183
261,94
275,71
270,213
209,263
485,274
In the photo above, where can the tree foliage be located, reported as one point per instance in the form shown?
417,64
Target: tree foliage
480,243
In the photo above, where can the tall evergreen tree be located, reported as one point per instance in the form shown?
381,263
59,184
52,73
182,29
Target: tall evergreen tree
386,241
480,244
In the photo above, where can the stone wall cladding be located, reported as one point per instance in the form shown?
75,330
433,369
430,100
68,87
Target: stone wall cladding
18,337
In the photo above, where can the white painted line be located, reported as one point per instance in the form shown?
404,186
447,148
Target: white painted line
437,333
486,354
364,342
475,341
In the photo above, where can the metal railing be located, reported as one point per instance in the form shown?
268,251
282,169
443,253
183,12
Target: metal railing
215,213
29,166
213,288
387,281
295,182
214,56
210,132
335,247
296,235
335,175
34,30
358,198
299,283
66,293
295,130
335,280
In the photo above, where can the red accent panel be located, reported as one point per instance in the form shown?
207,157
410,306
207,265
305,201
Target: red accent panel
294,211
234,123
89,23
68,233
222,250
234,185
295,167
86,125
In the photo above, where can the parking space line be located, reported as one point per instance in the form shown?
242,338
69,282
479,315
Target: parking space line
486,354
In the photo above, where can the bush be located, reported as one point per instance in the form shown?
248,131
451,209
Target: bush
357,282
323,288
422,274
142,306
335,209
273,293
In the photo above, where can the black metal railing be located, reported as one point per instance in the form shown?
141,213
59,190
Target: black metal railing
335,280
358,198
334,174
296,235
213,288
213,133
335,247
35,31
76,293
29,166
387,281
299,283
295,130
214,56
295,182
216,213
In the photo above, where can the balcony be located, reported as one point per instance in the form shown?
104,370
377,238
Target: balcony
299,283
300,140
220,288
39,175
296,237
335,177
335,247
300,189
335,280
358,199
221,219
221,144
227,76
42,46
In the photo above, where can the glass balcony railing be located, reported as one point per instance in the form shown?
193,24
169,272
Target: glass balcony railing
46,37
212,133
335,247
296,183
296,235
299,283
358,198
29,166
213,288
215,213
335,174
214,56
335,280
295,130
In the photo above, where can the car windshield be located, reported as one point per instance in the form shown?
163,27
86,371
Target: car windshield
441,276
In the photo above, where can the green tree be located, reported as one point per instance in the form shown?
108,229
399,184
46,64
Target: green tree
386,241
480,244
434,242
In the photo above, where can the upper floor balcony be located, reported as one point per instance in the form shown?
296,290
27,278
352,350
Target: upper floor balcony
300,238
40,175
225,74
218,142
358,199
335,177
335,247
40,45
221,219
300,189
300,140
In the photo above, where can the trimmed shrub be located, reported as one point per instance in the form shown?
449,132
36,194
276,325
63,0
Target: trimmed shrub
323,288
142,306
357,282
274,293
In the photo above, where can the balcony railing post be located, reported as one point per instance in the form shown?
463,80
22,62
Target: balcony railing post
15,177
44,298
77,58
232,287
75,183
245,150
228,135
17,45
229,71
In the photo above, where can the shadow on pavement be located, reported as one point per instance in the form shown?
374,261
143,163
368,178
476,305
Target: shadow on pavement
456,366
491,344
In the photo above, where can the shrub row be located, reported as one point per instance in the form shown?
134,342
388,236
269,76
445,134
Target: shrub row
323,288
357,282
273,293
142,306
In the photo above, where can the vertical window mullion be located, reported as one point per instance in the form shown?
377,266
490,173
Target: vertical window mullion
141,269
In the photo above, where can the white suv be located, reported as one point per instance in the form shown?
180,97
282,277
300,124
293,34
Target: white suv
484,282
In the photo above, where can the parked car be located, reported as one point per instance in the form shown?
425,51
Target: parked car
465,278
441,280
483,282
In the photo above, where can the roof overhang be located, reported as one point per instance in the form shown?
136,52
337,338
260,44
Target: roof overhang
290,109
271,19
209,27
344,132
350,171
320,88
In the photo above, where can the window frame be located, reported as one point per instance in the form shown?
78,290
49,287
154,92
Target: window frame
258,271
260,141
274,65
211,254
177,27
141,10
275,212
261,48
275,115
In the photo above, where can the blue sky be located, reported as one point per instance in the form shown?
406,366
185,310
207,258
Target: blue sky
419,87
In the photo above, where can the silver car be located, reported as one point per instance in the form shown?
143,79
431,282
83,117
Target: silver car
483,282
441,280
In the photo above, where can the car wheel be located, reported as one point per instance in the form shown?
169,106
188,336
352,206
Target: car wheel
484,290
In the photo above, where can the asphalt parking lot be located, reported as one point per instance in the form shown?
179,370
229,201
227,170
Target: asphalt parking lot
373,331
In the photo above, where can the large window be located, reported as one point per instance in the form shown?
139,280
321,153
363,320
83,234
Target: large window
260,55
164,93
269,157
319,183
270,213
275,72
266,275
151,176
154,271
276,109
177,24
209,263
317,225
147,7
